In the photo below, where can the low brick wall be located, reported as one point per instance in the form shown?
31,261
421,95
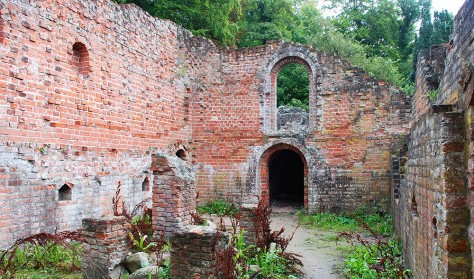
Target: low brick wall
174,193
193,252
247,222
105,247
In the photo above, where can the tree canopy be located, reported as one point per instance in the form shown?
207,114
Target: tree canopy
377,35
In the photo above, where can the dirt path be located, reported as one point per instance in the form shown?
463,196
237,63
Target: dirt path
319,255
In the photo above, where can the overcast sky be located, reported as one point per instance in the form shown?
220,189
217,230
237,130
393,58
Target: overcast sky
450,5
438,5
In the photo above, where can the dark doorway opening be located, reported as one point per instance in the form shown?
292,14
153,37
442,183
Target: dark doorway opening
286,178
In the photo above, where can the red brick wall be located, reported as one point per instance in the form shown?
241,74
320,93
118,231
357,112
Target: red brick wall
434,209
91,89
354,123
90,115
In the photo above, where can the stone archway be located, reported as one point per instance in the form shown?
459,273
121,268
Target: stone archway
268,104
292,188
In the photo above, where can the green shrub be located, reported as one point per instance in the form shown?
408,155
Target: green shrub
379,260
221,208
329,222
43,261
271,265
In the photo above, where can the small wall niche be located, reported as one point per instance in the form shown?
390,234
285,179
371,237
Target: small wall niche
414,206
434,223
80,58
65,192
181,154
146,184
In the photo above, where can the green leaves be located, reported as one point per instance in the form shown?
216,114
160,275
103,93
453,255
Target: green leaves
376,35
266,20
216,19
293,86
379,260
140,244
218,207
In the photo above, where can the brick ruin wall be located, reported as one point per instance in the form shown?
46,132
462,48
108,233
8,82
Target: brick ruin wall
354,123
432,201
88,117
91,90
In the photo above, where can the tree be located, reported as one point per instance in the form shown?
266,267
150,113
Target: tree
410,13
266,20
216,19
431,33
293,86
442,27
373,34
373,23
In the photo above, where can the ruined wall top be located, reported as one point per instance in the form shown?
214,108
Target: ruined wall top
457,84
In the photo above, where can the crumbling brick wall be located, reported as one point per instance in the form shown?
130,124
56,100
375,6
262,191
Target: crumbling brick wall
198,252
105,247
354,123
89,90
174,194
433,211
430,212
92,89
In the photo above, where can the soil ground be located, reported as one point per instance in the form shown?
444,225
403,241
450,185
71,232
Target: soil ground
318,249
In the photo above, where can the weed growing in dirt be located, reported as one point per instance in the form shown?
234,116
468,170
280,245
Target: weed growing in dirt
329,222
218,207
373,254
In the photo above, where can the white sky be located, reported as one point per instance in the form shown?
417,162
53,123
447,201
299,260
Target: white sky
451,5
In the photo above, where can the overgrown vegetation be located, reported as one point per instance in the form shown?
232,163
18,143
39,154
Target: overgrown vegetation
378,256
374,251
141,236
218,207
58,255
54,255
432,94
380,223
376,35
293,86
267,258
379,260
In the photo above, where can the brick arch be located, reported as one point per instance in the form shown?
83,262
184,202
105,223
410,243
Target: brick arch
264,171
288,54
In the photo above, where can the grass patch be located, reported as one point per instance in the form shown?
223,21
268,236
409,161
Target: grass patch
374,252
50,260
329,222
379,260
218,207
42,274
380,223
331,238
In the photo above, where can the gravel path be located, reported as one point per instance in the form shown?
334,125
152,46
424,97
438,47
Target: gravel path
319,255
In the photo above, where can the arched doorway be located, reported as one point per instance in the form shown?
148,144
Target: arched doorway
286,178
284,175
